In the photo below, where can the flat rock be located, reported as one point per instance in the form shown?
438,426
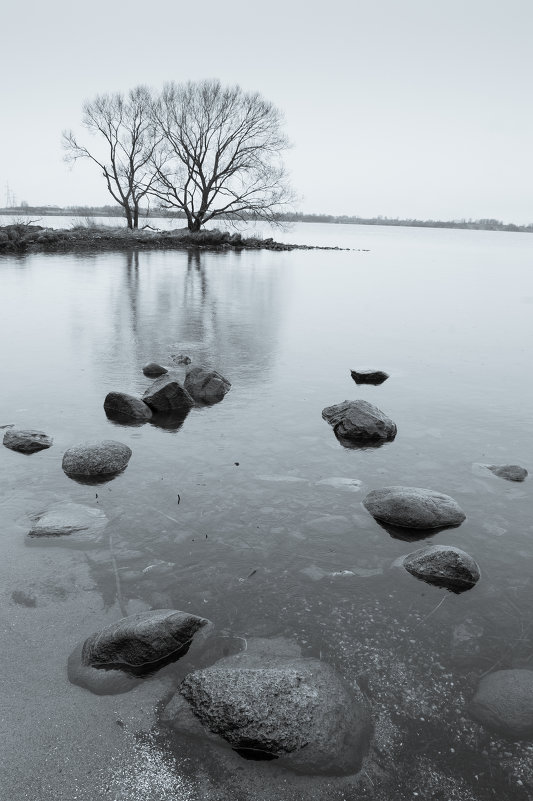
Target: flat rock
94,459
341,483
270,703
114,659
414,507
443,565
167,395
26,440
504,703
511,472
84,524
122,405
369,376
360,422
153,370
206,386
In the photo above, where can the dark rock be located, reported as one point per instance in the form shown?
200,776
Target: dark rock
369,376
180,358
166,395
206,386
83,525
270,703
121,404
443,565
22,598
511,472
26,441
504,703
360,422
96,459
413,507
114,659
152,370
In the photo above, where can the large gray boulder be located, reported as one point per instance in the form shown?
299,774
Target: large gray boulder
167,395
26,440
119,404
511,472
413,507
114,659
443,565
153,370
206,386
360,422
96,459
268,702
504,703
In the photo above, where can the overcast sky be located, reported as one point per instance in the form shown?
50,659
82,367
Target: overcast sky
409,108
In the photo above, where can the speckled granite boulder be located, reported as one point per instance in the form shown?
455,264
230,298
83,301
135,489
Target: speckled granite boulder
443,565
414,507
206,386
122,405
504,703
511,472
270,703
94,459
166,395
26,440
360,422
153,370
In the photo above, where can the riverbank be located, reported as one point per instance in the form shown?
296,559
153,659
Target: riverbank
21,237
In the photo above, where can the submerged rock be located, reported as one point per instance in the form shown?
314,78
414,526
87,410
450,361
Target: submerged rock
369,376
180,358
511,472
119,404
26,440
270,703
504,703
443,565
83,524
152,370
166,395
96,459
360,422
414,507
206,386
114,659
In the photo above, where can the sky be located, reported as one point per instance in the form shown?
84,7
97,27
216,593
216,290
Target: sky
400,108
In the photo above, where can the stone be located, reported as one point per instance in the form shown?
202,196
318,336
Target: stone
206,386
443,565
369,376
268,702
26,440
153,370
180,358
166,395
96,459
122,405
360,422
503,703
413,507
511,472
83,525
116,658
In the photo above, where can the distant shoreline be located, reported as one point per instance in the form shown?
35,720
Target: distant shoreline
145,217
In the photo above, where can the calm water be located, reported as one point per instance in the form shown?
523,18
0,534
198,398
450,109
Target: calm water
231,515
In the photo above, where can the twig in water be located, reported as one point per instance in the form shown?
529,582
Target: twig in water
432,612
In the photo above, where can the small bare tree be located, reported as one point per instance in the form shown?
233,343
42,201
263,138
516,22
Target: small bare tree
126,146
220,154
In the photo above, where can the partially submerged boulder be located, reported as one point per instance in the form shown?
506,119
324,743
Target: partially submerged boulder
116,658
153,370
511,472
96,459
270,703
375,377
359,422
413,507
82,525
443,565
166,395
206,386
503,703
26,440
180,358
119,404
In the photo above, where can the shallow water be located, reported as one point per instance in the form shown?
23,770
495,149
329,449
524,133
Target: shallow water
232,513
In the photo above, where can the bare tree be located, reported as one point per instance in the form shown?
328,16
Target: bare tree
220,154
125,148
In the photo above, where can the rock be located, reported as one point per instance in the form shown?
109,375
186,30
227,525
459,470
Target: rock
360,422
339,483
119,404
152,370
83,525
166,395
504,703
179,358
413,507
466,641
26,441
369,376
443,565
511,472
114,659
206,386
268,702
23,598
96,459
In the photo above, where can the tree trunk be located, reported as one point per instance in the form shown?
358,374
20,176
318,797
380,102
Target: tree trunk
195,224
129,218
136,216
